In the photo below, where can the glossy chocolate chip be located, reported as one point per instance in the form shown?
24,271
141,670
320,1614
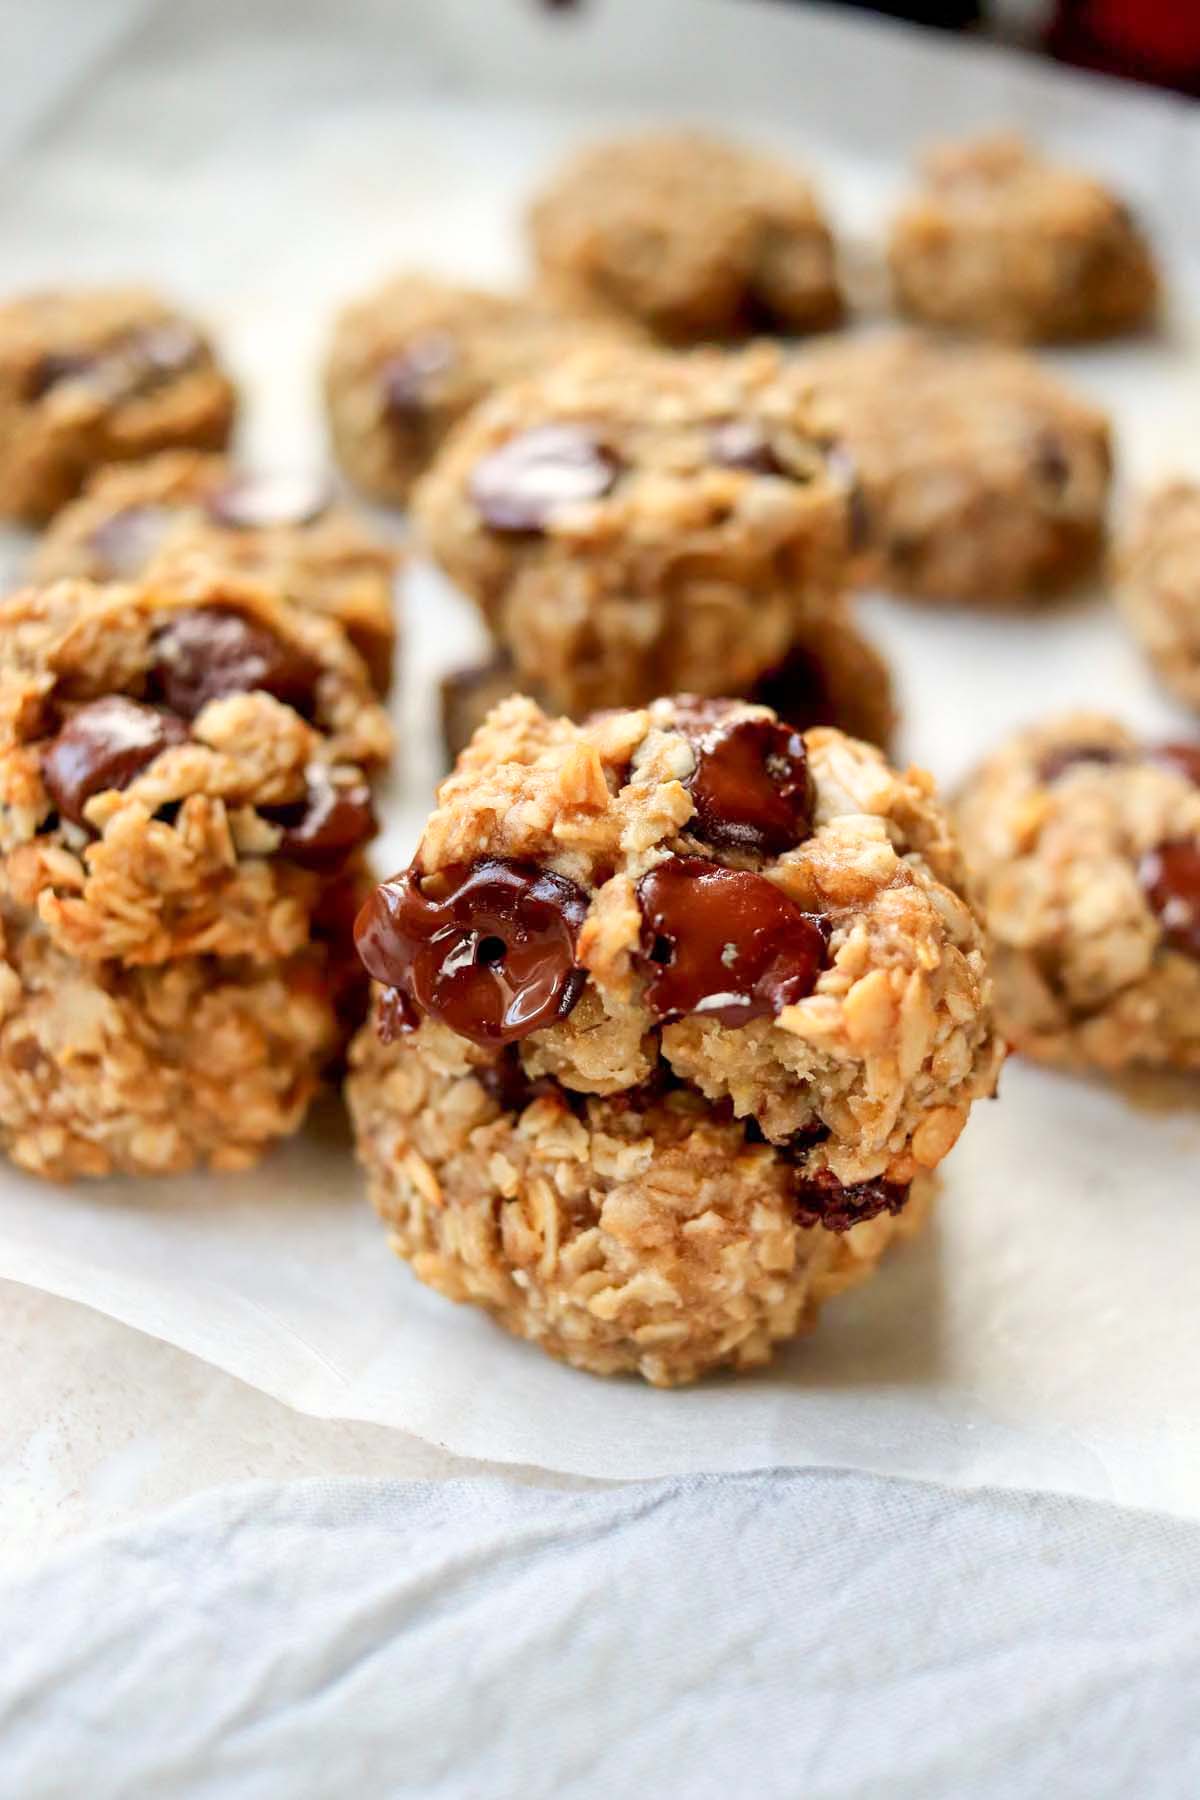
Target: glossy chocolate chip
102,746
751,786
724,943
1062,757
1050,460
332,820
257,502
488,948
843,471
124,543
743,444
207,653
165,350
823,1200
406,377
55,367
1170,878
396,1015
1184,758
123,368
521,486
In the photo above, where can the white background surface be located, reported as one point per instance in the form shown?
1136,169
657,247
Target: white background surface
266,160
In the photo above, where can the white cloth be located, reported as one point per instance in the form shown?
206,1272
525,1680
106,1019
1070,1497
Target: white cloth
788,1634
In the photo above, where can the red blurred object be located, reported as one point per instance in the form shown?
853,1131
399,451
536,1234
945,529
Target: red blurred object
1145,40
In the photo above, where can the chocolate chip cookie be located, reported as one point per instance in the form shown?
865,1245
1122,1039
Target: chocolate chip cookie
675,1011
94,376
286,530
633,522
1002,242
694,237
409,360
981,476
1157,570
1084,848
183,810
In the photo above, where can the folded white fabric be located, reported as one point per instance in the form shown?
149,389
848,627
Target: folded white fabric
786,1634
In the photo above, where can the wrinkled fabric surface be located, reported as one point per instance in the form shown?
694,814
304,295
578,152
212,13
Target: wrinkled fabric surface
787,1634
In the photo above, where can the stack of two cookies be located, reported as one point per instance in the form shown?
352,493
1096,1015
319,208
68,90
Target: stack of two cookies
184,805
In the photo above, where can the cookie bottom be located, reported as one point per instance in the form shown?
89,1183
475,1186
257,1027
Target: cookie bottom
155,1071
647,1232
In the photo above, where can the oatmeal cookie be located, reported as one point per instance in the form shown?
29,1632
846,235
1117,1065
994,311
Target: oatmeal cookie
153,1071
287,531
1084,850
982,478
182,768
633,522
1003,243
411,359
94,376
694,237
1157,571
674,1008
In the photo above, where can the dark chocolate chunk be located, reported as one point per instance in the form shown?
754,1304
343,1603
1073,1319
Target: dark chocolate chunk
1170,878
396,1015
506,1082
844,472
331,821
256,502
406,377
1062,757
520,486
1050,460
823,1200
125,542
751,786
743,444
798,691
488,948
724,943
207,653
468,695
102,746
124,368
1184,758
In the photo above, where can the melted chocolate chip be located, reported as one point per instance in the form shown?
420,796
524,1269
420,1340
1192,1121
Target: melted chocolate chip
798,691
396,1016
750,786
521,486
126,367
1170,878
125,542
822,1200
488,948
844,472
102,746
331,821
256,502
1050,460
1182,757
724,943
207,653
405,377
1062,757
743,444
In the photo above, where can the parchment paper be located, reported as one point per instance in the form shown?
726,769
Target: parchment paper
265,161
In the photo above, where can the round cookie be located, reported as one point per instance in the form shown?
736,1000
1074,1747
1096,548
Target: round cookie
676,1007
692,236
983,477
1005,244
98,375
182,768
1157,571
409,360
287,531
1084,851
152,1071
633,522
